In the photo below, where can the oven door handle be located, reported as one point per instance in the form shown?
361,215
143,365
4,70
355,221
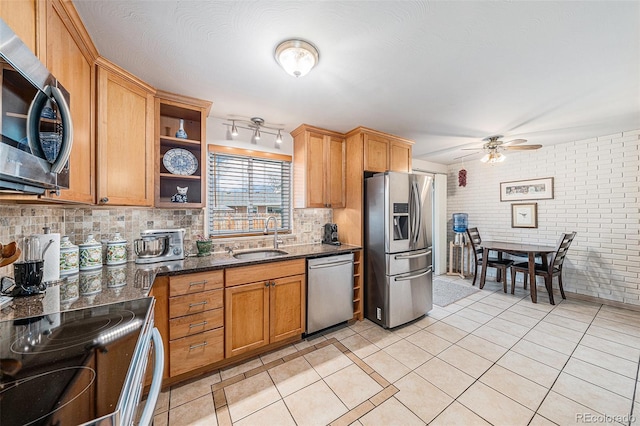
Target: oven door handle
158,367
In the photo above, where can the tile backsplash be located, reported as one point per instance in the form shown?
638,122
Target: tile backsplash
17,221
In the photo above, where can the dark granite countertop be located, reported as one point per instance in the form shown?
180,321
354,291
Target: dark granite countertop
111,284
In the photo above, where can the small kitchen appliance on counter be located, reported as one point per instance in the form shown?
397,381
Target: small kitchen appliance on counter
29,272
330,235
159,245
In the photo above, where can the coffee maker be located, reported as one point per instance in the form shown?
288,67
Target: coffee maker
330,234
27,273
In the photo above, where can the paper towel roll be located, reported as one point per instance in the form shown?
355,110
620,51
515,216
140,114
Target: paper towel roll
50,246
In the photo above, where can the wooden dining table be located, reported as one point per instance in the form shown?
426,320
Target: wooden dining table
530,250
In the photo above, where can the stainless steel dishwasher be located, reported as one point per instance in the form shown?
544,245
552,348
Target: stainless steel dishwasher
329,291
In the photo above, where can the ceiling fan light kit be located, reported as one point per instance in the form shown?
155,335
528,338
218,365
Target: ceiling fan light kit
493,157
297,57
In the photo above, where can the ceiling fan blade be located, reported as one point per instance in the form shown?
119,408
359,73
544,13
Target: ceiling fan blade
467,155
515,142
523,147
470,149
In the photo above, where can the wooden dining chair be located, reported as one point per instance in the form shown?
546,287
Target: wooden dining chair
548,272
501,265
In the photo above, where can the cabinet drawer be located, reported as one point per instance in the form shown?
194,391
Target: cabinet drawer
194,283
195,351
263,272
194,303
196,323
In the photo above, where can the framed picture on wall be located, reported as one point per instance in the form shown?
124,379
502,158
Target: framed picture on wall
532,189
524,215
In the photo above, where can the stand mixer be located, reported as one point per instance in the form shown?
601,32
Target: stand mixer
159,245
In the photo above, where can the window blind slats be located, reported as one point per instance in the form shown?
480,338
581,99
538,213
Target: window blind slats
244,191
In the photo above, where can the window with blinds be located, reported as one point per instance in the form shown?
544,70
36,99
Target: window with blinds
243,191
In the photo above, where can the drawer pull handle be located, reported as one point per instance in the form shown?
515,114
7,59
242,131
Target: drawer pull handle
198,324
191,305
203,282
192,347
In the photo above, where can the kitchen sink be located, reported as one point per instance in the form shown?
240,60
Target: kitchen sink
259,254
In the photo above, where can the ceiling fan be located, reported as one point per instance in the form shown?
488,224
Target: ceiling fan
493,147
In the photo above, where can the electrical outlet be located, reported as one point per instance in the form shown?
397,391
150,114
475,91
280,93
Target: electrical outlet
379,314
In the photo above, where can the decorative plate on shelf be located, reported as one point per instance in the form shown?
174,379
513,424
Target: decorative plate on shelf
180,162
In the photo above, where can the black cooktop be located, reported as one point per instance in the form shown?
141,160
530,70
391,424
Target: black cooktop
68,368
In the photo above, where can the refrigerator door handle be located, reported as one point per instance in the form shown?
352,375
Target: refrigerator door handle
410,277
412,256
411,216
418,210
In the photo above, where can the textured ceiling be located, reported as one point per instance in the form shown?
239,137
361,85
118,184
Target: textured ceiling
443,73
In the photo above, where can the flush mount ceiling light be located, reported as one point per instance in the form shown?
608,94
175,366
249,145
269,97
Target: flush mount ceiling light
257,126
297,57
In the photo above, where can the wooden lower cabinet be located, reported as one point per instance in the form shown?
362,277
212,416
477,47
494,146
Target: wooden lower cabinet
192,352
247,317
267,311
196,321
286,308
207,319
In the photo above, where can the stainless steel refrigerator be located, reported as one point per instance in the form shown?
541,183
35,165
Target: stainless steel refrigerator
398,247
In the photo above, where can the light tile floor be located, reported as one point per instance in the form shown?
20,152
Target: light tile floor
490,358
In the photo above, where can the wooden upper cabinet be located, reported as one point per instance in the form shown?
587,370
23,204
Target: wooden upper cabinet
21,17
376,153
318,167
399,157
335,170
386,152
125,107
368,150
170,109
70,57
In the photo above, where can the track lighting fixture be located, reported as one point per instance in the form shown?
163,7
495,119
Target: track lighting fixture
257,126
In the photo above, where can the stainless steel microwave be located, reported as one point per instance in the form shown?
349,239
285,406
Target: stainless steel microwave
37,131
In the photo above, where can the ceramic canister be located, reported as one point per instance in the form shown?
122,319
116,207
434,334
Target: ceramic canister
116,276
116,250
69,289
90,282
69,257
90,254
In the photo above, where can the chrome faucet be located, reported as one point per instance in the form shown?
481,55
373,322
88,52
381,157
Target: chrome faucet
275,230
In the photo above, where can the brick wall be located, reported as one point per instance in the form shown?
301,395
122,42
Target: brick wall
596,194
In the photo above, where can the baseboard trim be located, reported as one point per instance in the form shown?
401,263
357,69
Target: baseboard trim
600,300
